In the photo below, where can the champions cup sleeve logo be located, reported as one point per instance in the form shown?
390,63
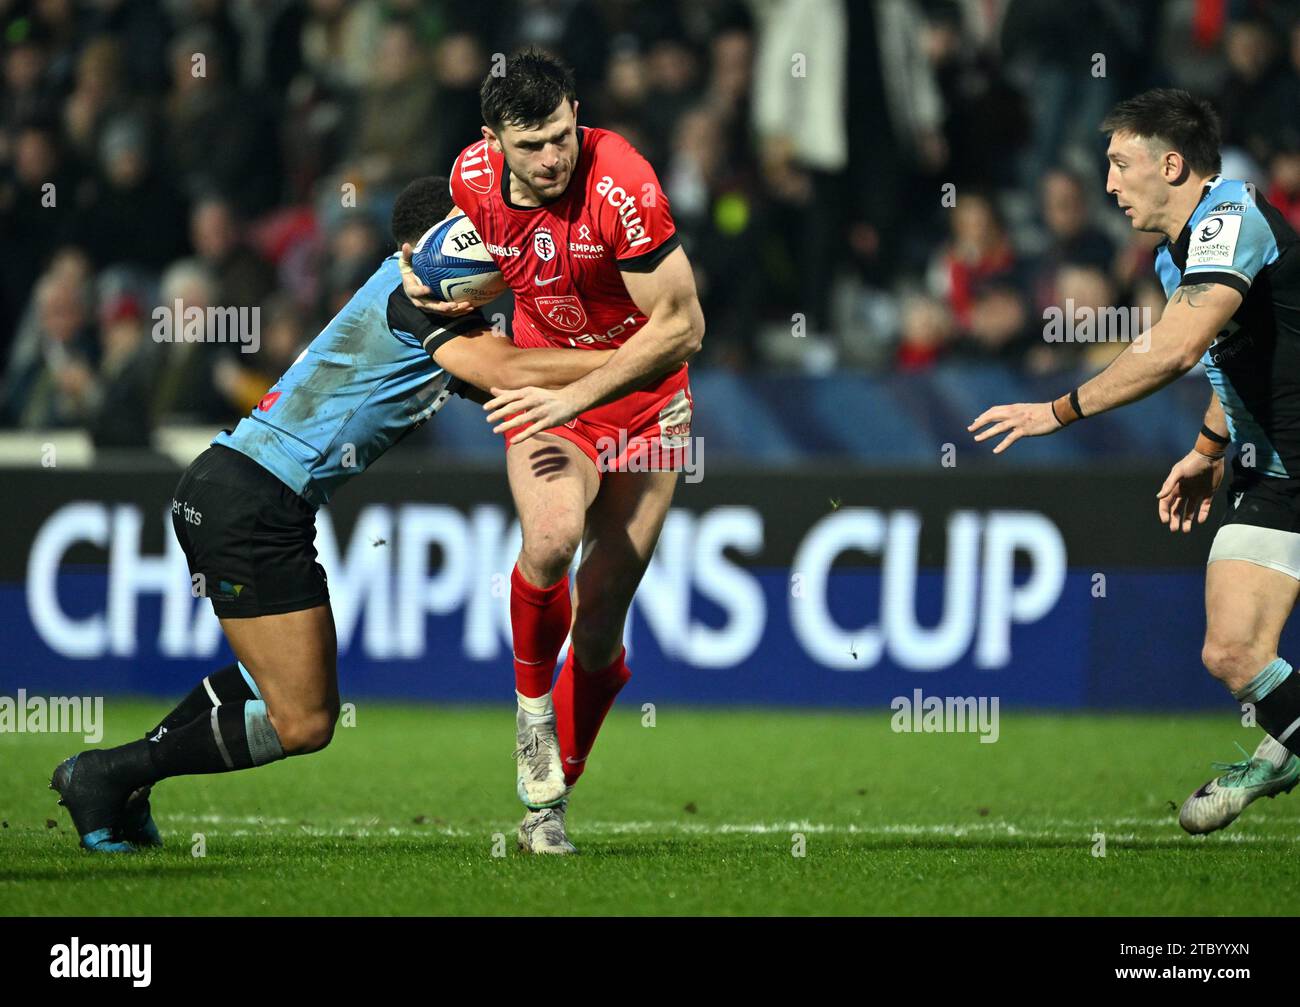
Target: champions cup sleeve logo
268,400
564,312
1214,242
476,169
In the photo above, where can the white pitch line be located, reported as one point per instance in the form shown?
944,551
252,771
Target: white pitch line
253,825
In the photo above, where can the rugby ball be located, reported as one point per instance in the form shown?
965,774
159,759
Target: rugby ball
452,261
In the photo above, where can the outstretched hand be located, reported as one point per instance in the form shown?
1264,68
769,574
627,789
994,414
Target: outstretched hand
1024,419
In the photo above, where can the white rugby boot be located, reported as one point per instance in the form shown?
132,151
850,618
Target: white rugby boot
539,777
1217,803
542,831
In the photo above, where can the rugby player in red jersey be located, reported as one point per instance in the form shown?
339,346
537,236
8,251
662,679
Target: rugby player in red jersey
581,229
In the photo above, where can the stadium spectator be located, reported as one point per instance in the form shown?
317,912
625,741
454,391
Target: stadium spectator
716,210
204,104
1069,61
283,335
927,331
98,95
30,226
984,117
243,278
1284,181
350,257
395,117
60,23
800,122
978,256
141,29
187,386
29,93
339,41
119,408
50,377
130,212
1072,239
459,62
1258,101
999,325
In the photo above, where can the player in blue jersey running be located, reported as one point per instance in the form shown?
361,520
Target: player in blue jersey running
244,513
1230,267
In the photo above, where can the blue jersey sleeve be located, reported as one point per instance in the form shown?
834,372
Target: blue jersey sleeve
1230,242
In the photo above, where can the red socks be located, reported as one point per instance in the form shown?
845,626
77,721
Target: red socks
539,623
582,698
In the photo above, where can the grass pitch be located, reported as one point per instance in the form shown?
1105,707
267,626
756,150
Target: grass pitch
408,811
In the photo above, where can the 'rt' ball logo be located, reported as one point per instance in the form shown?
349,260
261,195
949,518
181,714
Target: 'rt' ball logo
544,244
1210,229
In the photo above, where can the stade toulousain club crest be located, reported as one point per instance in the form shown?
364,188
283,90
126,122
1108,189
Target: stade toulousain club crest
544,244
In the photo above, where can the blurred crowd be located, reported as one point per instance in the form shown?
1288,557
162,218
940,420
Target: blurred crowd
884,185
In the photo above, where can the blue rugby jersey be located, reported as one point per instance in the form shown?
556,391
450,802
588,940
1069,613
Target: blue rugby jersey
1235,237
367,380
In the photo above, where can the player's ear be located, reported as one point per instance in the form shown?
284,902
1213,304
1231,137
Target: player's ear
492,139
1174,167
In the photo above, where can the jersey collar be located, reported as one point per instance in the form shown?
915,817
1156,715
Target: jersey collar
1185,235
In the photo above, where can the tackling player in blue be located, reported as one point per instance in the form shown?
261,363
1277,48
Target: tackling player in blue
1230,268
244,513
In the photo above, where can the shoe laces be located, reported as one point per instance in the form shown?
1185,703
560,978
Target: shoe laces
1236,772
539,817
529,748
535,740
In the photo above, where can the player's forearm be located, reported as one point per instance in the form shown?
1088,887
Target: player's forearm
542,368
486,360
1213,440
1144,367
1214,418
649,354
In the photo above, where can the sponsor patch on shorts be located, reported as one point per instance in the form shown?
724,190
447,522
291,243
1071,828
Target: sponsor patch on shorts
675,421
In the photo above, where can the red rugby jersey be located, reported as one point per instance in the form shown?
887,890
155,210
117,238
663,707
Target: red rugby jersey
564,260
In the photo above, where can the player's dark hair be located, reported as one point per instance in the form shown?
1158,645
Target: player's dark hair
418,207
534,82
1174,117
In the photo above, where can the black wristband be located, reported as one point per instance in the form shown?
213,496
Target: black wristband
1216,437
1074,403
